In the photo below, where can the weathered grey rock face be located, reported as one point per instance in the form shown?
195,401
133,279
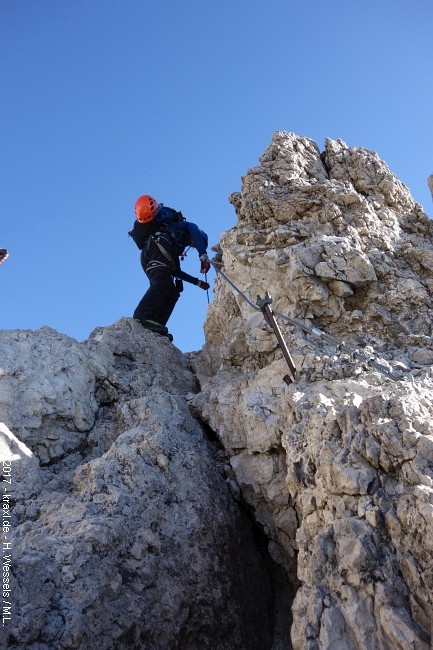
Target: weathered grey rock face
123,533
338,467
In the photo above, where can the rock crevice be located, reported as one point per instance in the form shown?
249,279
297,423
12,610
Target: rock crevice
338,241
124,532
161,500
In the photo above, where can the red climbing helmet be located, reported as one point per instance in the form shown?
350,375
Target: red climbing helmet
145,208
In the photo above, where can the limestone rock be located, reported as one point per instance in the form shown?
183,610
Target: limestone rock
337,466
128,518
124,533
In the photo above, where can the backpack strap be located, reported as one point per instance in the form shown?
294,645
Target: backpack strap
165,252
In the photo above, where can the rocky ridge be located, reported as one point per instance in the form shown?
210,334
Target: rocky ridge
123,531
136,471
338,467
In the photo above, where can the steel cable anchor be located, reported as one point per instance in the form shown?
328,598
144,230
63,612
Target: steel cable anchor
265,305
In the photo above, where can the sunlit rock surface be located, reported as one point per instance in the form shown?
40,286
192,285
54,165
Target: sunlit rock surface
145,491
123,531
337,467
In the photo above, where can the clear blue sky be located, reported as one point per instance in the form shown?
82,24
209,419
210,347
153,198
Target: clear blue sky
104,100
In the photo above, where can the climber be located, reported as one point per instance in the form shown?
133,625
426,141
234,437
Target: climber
4,254
162,234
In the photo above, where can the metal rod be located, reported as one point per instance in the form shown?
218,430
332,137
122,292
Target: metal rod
207,290
270,318
340,346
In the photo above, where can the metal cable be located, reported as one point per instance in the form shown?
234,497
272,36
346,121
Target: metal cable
232,284
340,346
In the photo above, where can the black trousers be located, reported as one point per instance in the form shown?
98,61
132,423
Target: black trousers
159,300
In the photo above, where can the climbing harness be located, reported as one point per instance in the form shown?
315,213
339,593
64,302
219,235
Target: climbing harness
157,264
263,305
155,240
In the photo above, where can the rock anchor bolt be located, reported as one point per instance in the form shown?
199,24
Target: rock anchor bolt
265,306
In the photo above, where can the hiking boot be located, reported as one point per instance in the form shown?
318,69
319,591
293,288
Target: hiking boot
161,332
154,326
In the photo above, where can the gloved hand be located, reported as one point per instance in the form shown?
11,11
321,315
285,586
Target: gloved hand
205,263
202,285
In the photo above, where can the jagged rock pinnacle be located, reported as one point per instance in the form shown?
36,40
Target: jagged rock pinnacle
337,467
131,466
